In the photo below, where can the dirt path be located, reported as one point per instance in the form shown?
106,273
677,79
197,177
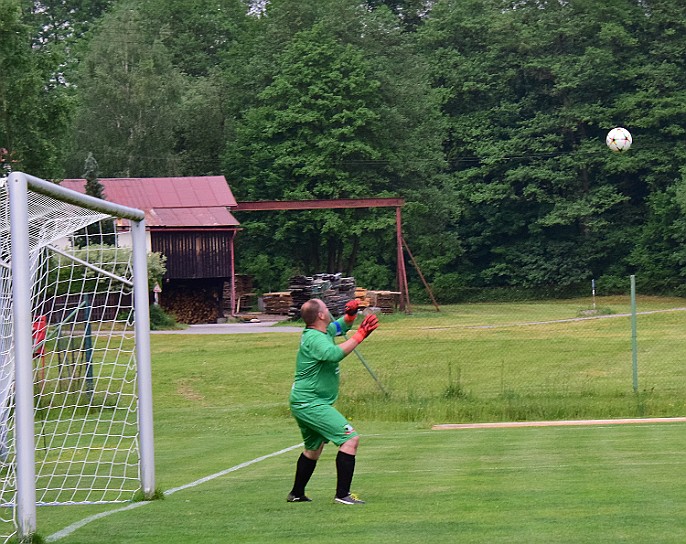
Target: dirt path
232,328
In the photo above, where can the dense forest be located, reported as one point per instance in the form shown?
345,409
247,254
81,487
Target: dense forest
487,116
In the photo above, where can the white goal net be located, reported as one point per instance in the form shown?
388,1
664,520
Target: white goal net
84,353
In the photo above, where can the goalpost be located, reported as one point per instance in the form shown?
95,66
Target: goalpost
75,378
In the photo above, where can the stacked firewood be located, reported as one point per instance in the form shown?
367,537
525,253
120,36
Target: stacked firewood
191,306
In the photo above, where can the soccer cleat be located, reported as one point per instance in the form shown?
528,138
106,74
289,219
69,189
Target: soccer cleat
349,499
294,498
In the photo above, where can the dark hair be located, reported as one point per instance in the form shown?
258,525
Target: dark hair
310,311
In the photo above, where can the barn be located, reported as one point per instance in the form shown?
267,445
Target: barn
189,221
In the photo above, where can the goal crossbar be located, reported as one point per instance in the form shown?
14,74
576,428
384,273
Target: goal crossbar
48,188
90,266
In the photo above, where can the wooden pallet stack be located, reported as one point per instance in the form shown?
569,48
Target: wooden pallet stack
301,291
386,301
362,298
338,291
277,303
346,292
333,289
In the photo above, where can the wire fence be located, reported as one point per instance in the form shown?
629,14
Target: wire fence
523,361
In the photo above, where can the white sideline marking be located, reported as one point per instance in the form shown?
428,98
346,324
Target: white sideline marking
229,470
584,422
74,526
77,525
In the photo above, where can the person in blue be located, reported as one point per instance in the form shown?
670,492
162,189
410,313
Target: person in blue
315,390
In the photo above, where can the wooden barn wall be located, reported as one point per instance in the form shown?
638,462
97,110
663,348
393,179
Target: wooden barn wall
194,255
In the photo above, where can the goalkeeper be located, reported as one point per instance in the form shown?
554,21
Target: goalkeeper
315,390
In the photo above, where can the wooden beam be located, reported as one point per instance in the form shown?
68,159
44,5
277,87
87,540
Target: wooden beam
345,203
340,203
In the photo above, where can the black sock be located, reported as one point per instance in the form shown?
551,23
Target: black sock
303,473
345,468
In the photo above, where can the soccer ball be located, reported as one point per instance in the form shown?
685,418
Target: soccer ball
618,140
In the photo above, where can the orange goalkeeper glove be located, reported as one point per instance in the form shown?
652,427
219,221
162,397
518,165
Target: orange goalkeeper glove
351,308
367,327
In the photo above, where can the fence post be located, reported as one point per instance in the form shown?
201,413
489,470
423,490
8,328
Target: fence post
634,340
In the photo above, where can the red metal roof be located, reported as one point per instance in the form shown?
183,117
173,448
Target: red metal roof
184,217
171,202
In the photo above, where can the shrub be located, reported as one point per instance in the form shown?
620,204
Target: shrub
161,320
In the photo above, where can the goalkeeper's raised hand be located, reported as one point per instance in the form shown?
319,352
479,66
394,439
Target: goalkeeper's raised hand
351,308
368,325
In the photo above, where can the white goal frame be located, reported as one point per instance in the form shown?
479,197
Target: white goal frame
18,185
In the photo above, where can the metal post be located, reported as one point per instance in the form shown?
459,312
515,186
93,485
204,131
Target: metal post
23,357
142,325
234,309
401,271
634,338
421,276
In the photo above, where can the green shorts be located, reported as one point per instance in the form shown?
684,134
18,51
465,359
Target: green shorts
322,424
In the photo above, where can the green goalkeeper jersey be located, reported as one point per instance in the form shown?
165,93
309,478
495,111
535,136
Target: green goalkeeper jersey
316,366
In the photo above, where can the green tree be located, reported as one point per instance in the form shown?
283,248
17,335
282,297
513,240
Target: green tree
90,174
33,108
657,110
311,137
410,12
62,23
331,121
104,230
128,91
526,96
197,34
200,133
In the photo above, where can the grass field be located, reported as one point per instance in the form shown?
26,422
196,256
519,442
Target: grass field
608,484
220,401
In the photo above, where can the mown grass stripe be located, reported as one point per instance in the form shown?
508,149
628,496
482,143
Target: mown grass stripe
580,422
81,523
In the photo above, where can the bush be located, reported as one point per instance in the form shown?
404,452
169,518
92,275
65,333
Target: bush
161,320
453,289
613,285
